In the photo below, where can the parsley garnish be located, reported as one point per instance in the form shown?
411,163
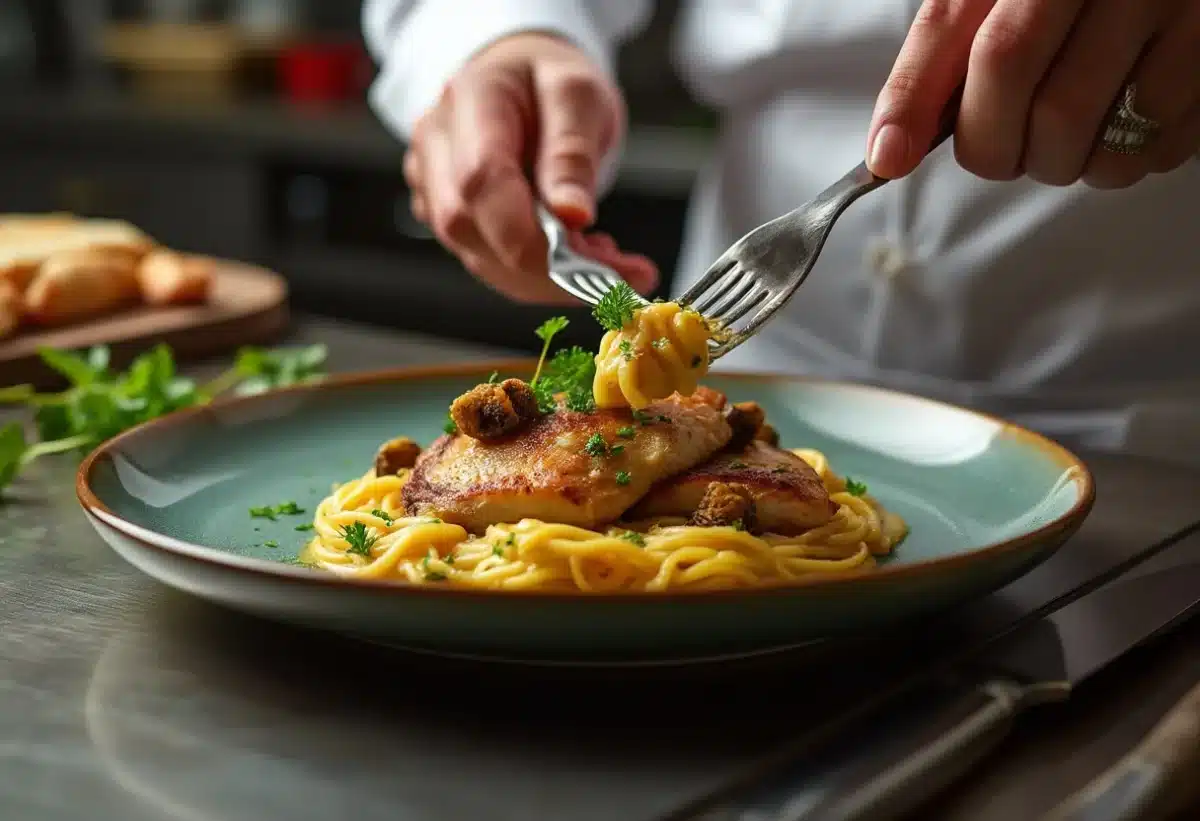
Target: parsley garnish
626,349
272,512
100,403
661,343
617,307
449,426
855,488
738,524
271,543
545,332
623,477
359,538
634,537
596,446
616,450
304,527
497,550
494,378
626,432
382,514
642,418
431,575
569,371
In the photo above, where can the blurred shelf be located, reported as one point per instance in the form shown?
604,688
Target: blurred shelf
661,159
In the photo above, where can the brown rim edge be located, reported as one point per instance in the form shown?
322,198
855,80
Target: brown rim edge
1064,526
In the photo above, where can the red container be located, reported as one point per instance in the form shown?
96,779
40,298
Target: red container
329,71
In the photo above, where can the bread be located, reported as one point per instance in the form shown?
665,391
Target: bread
170,278
28,241
10,309
81,283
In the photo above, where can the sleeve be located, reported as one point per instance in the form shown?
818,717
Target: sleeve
420,44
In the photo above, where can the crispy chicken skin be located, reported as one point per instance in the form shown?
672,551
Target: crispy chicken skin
789,497
396,455
726,505
746,419
583,469
489,412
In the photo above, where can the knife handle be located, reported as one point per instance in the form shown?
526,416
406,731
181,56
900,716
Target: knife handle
1157,778
889,764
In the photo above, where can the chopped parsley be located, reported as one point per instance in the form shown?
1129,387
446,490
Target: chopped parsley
634,537
304,527
738,524
449,425
855,488
449,558
431,575
494,378
497,550
273,512
626,432
661,343
623,477
626,349
379,513
596,446
359,538
271,543
617,307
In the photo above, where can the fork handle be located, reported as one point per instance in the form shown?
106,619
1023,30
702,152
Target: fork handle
948,121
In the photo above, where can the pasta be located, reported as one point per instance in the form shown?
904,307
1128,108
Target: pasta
361,531
661,350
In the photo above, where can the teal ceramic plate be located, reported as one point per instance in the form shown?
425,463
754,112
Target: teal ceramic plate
986,502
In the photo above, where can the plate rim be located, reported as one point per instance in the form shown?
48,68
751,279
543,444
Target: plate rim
1063,525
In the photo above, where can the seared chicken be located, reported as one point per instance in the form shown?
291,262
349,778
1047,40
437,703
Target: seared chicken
583,469
789,497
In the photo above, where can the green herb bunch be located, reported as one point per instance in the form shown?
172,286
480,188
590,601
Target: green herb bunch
101,402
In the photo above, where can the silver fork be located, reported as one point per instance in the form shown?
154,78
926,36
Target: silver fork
758,274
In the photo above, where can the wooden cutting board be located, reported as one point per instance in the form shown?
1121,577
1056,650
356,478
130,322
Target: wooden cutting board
247,306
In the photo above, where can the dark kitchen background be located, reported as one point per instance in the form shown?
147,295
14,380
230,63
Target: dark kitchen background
240,129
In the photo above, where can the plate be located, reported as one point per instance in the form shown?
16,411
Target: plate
986,501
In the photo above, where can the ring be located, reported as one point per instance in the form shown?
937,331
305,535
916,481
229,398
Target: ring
1126,131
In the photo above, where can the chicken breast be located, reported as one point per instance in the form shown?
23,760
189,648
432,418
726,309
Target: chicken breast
789,497
583,469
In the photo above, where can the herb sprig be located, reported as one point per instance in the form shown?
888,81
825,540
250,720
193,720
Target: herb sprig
616,308
855,488
99,402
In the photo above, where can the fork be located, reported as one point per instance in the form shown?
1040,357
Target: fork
758,274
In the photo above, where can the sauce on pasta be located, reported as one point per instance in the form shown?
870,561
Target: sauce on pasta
662,349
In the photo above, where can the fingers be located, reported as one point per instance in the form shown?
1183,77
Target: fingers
1168,92
1076,98
930,67
1009,56
580,118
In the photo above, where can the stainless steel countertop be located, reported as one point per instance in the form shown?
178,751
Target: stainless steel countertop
121,700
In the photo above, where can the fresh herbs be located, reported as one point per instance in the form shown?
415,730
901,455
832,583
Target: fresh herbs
359,539
546,332
100,402
382,514
633,537
626,349
304,527
449,426
596,446
431,575
617,307
661,343
623,477
644,419
273,512
626,432
271,543
855,488
738,524
570,372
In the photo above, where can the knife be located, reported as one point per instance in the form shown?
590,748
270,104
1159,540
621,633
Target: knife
889,760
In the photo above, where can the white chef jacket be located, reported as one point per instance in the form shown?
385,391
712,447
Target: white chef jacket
1072,310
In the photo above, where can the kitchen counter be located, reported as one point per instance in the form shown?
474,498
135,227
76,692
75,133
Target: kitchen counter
122,700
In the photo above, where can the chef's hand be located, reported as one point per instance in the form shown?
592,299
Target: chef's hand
1041,80
527,101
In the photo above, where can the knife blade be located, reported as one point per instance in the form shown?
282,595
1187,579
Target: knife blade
889,761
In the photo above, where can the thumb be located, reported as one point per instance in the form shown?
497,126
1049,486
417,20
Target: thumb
580,116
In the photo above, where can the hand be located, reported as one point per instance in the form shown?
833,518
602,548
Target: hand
529,100
1041,78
